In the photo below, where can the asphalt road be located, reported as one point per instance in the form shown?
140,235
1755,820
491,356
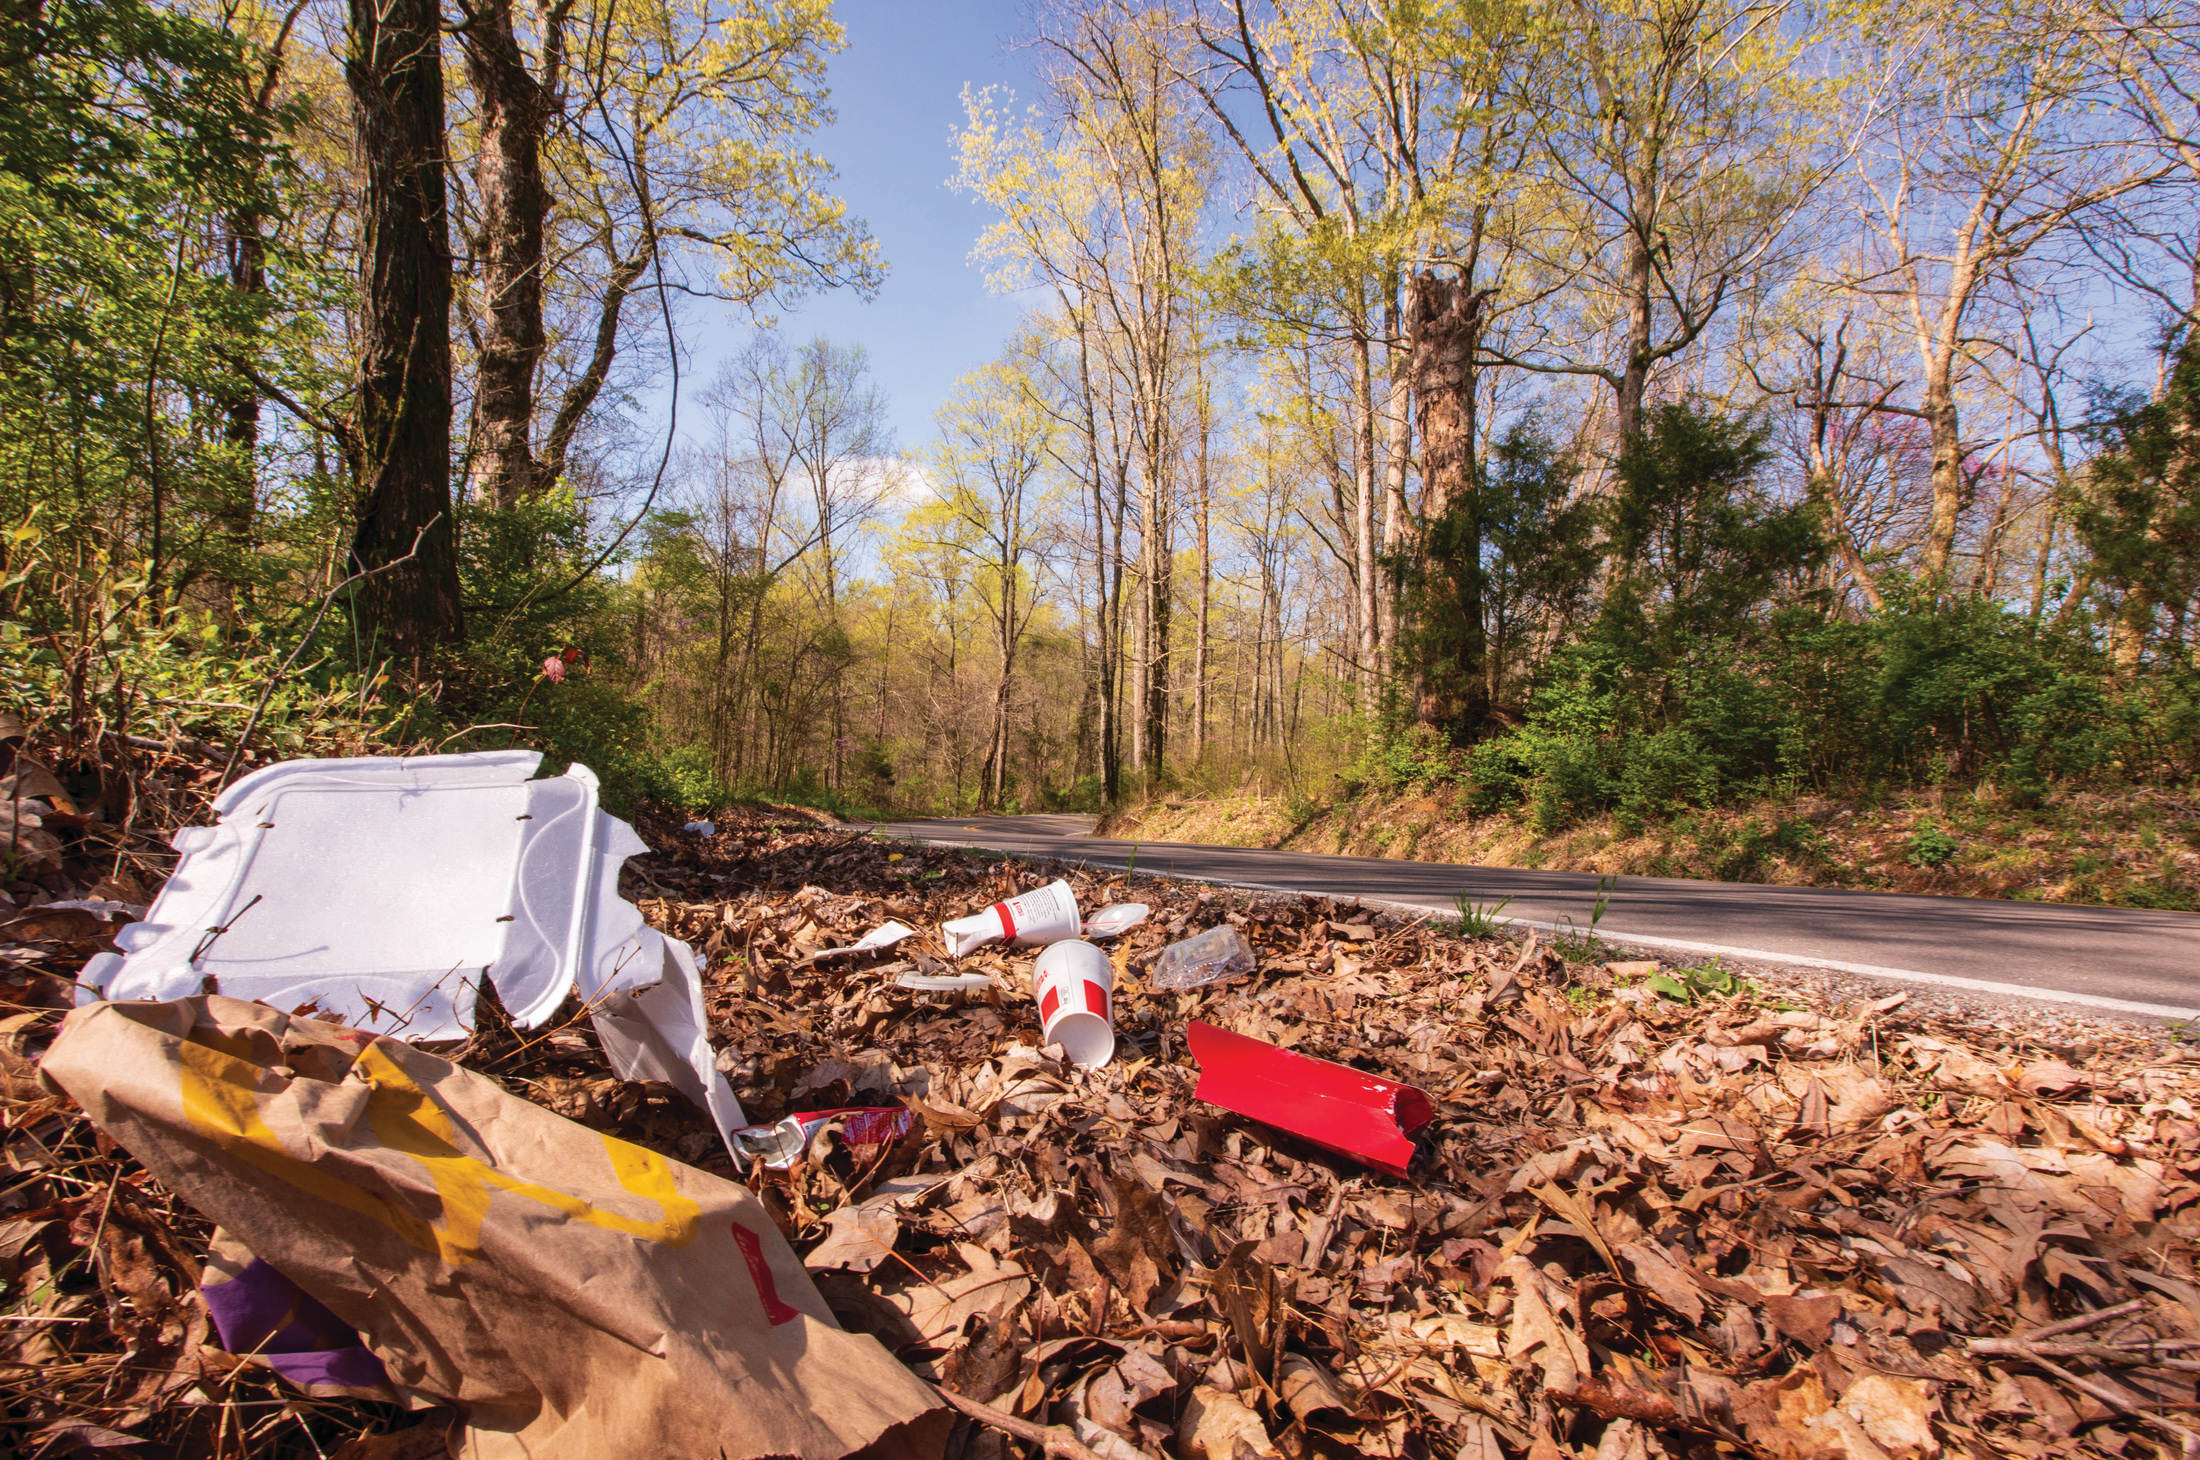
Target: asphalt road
2116,960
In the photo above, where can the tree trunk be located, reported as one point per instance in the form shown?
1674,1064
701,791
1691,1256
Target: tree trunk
515,109
1106,624
1202,505
1940,345
1443,322
1154,689
996,761
1114,608
240,409
1367,636
1398,531
1634,380
402,428
1110,763
1940,411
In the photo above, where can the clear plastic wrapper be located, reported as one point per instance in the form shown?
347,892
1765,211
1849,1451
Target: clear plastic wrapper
1204,958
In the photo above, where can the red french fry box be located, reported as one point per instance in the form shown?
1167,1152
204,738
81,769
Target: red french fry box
1336,1107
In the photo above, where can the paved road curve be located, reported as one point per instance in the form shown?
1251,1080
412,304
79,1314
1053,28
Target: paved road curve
2111,959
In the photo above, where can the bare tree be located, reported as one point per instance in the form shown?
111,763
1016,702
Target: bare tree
1980,147
995,441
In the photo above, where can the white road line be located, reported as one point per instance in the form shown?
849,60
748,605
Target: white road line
1864,970
1748,955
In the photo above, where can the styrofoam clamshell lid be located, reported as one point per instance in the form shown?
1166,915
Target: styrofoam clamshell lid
382,890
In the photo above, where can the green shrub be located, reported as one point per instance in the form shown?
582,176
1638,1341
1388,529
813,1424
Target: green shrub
1084,796
1571,780
1498,772
682,778
1662,773
1929,846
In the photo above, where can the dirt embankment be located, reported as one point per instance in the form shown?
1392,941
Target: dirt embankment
2136,849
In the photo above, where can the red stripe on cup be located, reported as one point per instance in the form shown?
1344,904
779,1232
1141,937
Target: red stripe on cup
1096,998
1008,921
1050,1003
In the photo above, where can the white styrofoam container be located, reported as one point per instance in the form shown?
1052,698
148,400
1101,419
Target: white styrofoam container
383,891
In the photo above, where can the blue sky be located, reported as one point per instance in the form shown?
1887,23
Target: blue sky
897,89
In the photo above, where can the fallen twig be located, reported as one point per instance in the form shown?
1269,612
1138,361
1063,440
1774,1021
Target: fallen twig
1051,1438
2142,1355
2187,1439
2080,1323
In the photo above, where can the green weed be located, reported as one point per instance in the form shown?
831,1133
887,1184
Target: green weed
1479,920
1707,980
1582,945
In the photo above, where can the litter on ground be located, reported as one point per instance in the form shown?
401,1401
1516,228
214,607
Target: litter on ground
1654,1211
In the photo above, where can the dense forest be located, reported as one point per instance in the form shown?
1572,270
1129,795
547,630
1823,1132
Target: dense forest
1601,407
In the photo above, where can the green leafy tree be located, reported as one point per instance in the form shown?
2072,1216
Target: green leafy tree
2138,513
128,134
1510,565
1698,546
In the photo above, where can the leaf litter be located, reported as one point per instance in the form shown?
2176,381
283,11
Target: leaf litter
1638,1227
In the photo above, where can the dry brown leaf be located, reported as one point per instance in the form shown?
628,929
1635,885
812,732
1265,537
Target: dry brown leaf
1537,1336
1666,1279
861,1238
1214,1424
936,1309
1313,1395
1896,1412
2050,1077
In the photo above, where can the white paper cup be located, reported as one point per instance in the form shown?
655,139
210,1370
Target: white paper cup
1075,986
1041,916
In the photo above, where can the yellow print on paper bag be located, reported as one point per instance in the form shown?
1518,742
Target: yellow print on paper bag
218,1100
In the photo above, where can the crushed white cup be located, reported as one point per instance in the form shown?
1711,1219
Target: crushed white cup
1041,916
1075,985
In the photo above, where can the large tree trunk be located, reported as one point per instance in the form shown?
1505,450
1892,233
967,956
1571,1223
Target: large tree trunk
996,760
401,437
515,110
1158,561
1940,411
1634,380
1105,625
1111,671
994,787
1443,321
1941,349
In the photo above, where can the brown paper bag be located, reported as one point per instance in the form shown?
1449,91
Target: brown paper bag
577,1296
